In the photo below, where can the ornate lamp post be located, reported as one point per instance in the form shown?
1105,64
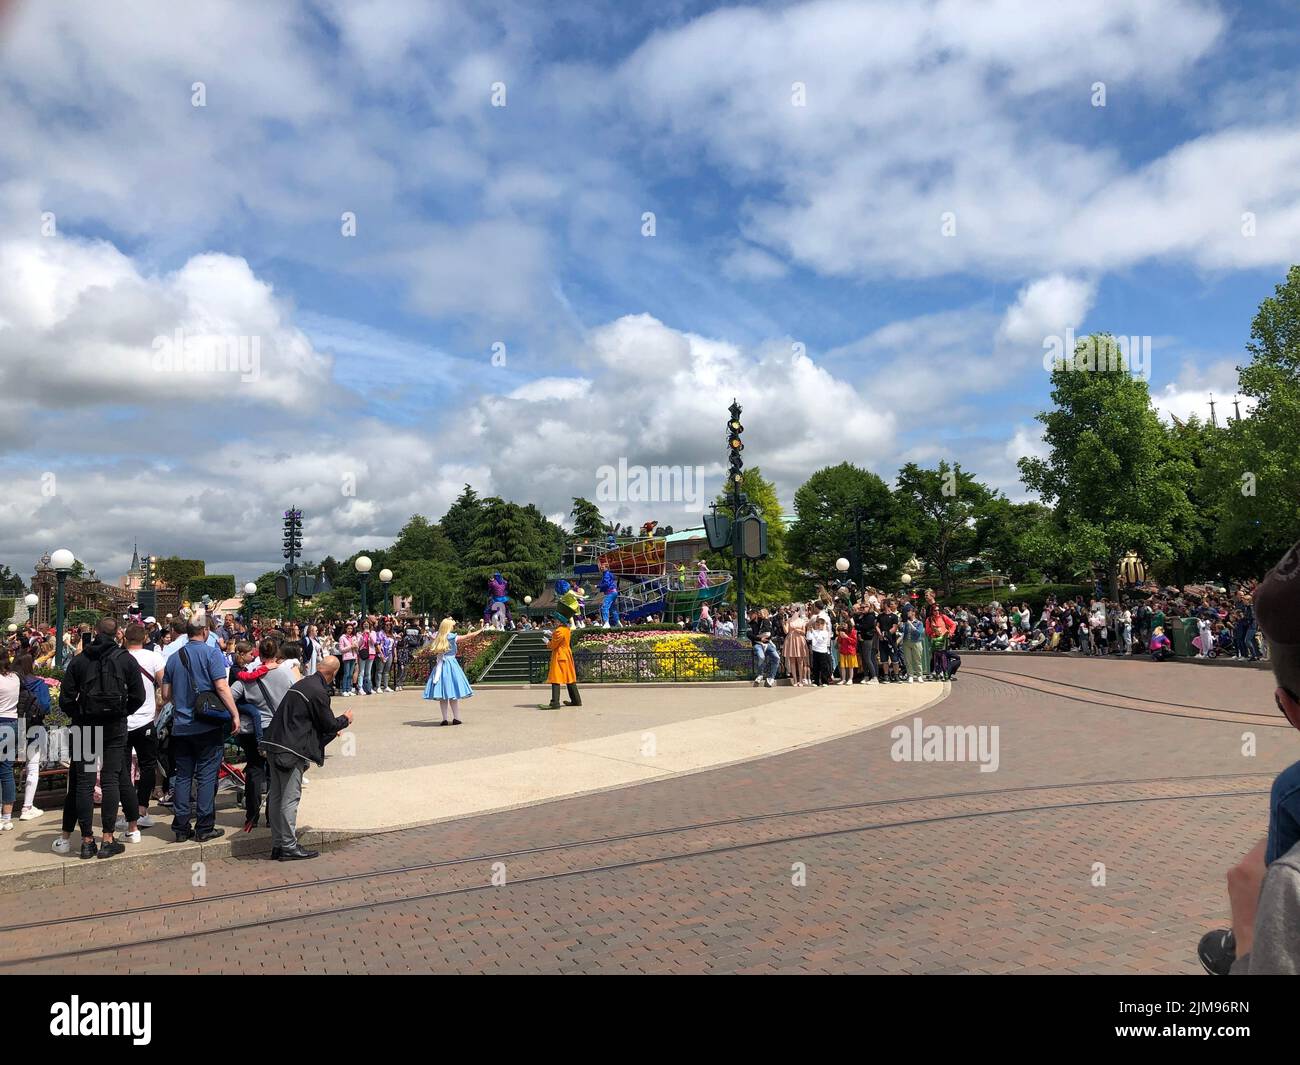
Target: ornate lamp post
62,561
250,590
363,565
385,579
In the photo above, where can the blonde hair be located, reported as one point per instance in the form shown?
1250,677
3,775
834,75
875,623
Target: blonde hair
440,642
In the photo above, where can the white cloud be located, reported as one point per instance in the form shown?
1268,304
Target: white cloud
1046,307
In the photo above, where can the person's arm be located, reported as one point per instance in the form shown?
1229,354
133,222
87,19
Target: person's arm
69,692
221,686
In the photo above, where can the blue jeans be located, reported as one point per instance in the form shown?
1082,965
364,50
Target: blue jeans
348,665
381,674
766,658
197,757
363,675
8,752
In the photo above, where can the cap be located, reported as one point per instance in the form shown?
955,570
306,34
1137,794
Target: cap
1277,600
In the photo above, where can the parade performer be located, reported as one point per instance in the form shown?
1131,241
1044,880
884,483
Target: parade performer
498,609
447,681
609,605
567,600
702,575
562,669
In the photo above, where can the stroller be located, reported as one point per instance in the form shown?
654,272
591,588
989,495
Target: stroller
230,777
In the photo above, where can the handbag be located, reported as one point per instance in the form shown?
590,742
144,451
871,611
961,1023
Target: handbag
208,707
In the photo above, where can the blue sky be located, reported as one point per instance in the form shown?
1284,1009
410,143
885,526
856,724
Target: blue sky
798,159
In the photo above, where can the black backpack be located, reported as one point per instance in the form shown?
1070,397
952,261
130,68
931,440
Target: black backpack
103,695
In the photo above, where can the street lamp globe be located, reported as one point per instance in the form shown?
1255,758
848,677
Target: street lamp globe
907,578
63,559
13,628
31,599
842,564
363,563
385,575
249,589
528,599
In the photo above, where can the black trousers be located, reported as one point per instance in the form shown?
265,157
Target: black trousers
254,775
144,741
114,784
821,667
868,646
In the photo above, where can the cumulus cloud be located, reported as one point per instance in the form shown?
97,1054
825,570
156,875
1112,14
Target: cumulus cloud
80,325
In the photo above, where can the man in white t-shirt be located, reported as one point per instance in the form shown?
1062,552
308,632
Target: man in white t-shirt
142,731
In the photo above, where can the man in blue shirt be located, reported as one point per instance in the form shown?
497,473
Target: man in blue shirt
196,744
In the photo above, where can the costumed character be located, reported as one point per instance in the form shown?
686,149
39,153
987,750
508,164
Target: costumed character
562,671
609,605
498,609
567,600
447,681
702,575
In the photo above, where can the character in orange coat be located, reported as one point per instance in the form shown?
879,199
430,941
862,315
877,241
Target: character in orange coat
562,670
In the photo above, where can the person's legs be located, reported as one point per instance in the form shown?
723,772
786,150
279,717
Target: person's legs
8,752
116,765
444,704
254,778
774,663
144,742
206,766
347,676
575,698
363,680
184,756
289,782
33,776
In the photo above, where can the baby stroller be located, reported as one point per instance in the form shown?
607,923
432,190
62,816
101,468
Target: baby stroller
230,777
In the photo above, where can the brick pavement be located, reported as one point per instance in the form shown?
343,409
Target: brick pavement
993,892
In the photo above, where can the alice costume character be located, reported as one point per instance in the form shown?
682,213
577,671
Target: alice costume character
447,683
609,605
702,575
497,606
562,671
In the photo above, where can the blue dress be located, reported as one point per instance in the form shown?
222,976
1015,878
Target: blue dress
447,680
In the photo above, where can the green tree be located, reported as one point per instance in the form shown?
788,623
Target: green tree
771,580
420,539
1108,477
336,603
462,520
824,528
587,522
217,585
434,587
1254,465
938,510
519,542
178,572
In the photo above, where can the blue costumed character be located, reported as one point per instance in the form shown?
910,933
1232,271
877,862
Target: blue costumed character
609,605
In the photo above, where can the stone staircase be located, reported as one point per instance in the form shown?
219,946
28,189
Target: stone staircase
511,666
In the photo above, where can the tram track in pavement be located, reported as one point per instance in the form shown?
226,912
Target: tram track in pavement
1159,707
91,934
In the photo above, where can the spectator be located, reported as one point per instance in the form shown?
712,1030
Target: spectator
142,728
101,689
195,670
298,734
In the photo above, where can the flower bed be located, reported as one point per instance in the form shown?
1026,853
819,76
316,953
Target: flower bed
640,655
474,652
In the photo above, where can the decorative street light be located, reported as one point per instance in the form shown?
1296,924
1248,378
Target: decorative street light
363,565
386,578
250,590
31,599
842,564
62,562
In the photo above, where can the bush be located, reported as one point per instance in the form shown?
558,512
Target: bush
217,585
6,610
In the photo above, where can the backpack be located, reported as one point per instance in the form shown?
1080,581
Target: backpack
103,694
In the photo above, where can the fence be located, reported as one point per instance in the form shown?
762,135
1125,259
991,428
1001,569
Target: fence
645,665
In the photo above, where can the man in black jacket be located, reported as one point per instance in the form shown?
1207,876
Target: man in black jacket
302,727
101,688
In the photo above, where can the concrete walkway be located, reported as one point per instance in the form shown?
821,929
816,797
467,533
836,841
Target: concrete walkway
397,767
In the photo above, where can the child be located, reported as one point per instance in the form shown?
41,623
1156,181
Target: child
447,682
562,669
819,641
848,644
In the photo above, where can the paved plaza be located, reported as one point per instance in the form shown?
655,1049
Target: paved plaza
781,834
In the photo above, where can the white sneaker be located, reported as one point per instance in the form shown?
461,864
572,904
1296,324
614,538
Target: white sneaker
120,825
145,821
61,845
30,814
758,681
132,837
768,682
7,825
